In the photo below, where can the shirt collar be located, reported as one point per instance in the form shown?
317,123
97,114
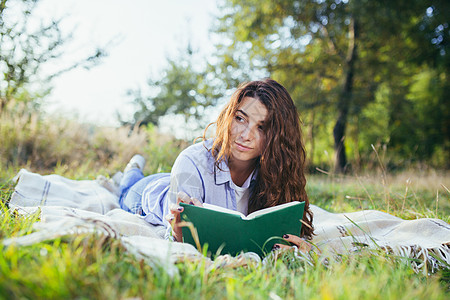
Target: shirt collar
222,173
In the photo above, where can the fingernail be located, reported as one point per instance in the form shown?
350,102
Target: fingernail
276,247
180,208
191,203
285,236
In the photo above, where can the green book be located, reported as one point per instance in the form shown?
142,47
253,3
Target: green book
229,232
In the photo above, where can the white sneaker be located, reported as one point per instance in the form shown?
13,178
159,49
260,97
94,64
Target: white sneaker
136,162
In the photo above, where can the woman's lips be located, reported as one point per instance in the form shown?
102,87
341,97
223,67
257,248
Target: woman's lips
242,147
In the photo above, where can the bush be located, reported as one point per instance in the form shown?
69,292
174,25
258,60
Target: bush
43,144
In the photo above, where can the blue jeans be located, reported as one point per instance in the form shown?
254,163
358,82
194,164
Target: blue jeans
131,187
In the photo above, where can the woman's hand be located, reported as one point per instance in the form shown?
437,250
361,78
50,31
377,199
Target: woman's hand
175,209
301,244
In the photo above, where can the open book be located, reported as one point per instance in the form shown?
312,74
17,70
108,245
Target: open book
230,232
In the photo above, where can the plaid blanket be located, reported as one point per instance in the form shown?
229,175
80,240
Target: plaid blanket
72,207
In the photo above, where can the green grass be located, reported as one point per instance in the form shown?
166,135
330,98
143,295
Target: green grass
91,267
88,267
408,195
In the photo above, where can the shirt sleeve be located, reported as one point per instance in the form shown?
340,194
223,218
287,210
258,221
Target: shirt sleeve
186,177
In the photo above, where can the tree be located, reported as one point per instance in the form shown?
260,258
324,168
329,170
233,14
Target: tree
420,116
183,88
333,55
26,47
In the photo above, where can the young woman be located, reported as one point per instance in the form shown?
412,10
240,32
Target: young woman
255,160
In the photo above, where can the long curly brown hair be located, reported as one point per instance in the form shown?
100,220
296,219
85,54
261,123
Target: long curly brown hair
281,177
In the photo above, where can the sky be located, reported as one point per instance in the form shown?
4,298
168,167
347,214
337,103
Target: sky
141,34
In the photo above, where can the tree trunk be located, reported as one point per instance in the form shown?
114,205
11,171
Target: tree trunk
345,99
339,136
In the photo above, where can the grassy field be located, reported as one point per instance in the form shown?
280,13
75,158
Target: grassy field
91,267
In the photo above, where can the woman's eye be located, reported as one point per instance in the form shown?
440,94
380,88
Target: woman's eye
261,128
239,118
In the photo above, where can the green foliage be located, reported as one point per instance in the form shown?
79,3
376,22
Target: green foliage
353,69
182,89
161,151
426,97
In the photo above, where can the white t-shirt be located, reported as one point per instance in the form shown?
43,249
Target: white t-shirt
242,195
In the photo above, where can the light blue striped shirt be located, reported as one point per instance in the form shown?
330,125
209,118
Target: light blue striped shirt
194,173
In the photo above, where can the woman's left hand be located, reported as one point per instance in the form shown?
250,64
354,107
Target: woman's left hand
301,244
174,216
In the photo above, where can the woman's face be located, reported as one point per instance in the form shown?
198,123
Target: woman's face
247,134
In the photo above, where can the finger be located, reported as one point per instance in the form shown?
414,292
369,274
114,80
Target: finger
280,247
183,197
169,217
196,202
175,209
296,240
302,244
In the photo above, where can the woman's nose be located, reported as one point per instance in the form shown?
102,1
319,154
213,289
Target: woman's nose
247,133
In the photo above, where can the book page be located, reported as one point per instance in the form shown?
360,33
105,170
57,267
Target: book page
253,214
269,209
223,209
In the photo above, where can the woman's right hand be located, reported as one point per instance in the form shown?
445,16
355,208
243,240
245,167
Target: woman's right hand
175,209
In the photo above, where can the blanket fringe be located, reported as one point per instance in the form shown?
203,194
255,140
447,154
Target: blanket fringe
425,260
